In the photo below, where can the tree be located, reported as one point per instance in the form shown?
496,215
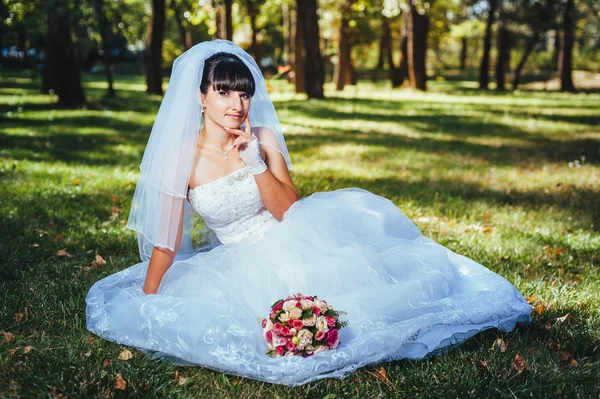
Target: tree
61,66
314,73
253,9
565,64
344,72
153,60
224,18
484,68
185,29
104,28
502,44
418,26
297,56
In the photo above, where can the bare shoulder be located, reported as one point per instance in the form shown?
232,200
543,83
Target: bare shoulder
266,136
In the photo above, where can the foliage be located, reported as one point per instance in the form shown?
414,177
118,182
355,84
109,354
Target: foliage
510,180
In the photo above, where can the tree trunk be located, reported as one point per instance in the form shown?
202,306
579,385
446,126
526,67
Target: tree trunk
463,53
343,68
185,34
216,5
502,46
253,14
384,45
156,31
313,66
418,26
297,55
565,65
286,17
104,36
62,62
226,29
519,69
484,68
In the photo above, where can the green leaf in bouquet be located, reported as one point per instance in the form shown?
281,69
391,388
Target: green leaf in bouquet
331,313
307,313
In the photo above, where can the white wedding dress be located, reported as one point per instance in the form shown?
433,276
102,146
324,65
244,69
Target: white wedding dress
405,295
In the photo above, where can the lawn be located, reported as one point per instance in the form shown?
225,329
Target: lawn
511,180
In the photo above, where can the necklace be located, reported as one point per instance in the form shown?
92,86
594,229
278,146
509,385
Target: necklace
217,150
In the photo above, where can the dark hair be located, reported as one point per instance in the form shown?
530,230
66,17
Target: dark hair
225,71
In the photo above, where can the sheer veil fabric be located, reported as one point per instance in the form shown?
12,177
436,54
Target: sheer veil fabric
158,204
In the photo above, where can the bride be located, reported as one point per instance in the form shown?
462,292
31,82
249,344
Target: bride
217,150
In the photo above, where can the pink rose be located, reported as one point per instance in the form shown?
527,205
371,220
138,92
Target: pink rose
285,331
330,321
269,336
320,335
278,306
290,345
264,323
310,298
280,350
272,316
316,311
298,304
297,324
277,327
332,336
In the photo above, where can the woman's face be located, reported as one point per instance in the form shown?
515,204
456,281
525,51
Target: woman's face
226,108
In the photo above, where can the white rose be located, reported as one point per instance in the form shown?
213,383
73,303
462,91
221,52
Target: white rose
306,303
289,305
296,313
293,331
310,348
321,305
278,341
321,348
268,326
310,321
322,324
289,353
305,336
284,317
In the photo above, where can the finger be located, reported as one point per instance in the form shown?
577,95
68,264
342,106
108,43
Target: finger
237,132
248,126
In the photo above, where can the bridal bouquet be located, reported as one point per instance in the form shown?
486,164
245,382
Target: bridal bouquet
302,326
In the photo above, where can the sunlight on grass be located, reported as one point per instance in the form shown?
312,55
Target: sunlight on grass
510,180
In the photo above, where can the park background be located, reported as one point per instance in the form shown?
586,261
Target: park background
478,119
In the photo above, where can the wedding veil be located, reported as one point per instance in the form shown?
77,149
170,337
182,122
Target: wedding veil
159,204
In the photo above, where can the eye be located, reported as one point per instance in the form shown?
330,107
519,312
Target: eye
245,95
224,92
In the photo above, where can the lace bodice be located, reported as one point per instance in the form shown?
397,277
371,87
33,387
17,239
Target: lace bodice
232,207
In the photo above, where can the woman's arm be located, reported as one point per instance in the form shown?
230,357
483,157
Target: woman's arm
160,261
275,185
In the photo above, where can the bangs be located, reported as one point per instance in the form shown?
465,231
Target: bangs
234,75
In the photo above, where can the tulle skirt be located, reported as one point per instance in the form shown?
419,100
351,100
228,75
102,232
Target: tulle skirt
405,295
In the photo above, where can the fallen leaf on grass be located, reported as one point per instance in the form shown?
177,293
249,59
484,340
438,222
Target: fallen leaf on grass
180,379
35,245
18,317
57,395
63,252
60,237
120,383
500,344
530,299
11,352
520,365
125,354
27,349
90,340
7,336
381,375
106,363
564,318
540,309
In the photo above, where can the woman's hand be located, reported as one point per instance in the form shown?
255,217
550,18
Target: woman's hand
248,148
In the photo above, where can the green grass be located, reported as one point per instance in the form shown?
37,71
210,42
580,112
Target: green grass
510,180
